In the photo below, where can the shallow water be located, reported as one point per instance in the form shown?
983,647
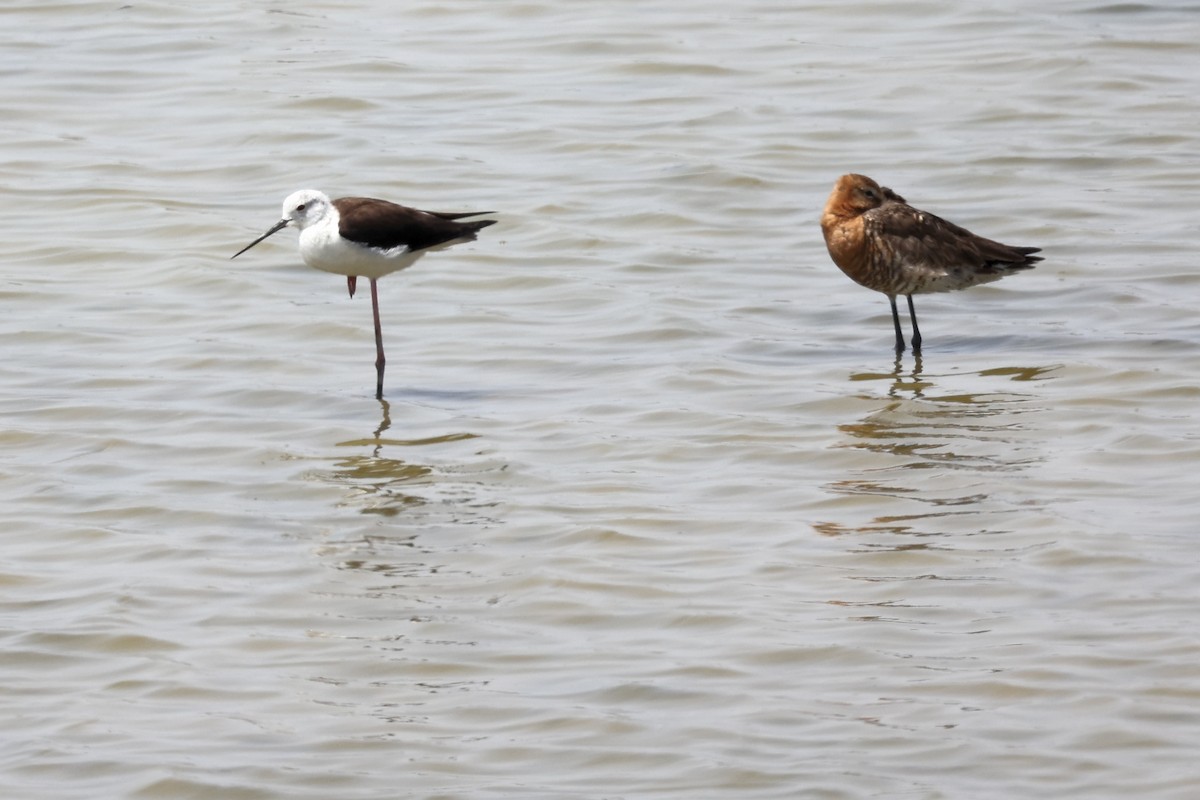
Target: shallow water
650,509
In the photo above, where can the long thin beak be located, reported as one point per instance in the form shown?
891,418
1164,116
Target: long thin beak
277,227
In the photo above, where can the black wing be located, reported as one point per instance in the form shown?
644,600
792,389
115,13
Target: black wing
385,225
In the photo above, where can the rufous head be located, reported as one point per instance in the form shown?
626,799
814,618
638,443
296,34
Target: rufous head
854,194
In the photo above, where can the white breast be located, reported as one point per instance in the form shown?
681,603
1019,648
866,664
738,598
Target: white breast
322,248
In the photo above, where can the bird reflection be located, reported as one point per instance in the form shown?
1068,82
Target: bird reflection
900,384
932,454
384,485
383,482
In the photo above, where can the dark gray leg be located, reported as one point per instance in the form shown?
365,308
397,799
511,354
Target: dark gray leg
912,314
896,322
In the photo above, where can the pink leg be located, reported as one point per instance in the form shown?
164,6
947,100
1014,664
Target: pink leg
380,361
351,283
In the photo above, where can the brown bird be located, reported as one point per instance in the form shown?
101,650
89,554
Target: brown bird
885,244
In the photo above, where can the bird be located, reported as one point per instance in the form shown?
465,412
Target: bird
367,237
883,243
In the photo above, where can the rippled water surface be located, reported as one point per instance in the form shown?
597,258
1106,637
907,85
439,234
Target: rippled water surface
650,509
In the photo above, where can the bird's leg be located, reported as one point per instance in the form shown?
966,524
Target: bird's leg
380,361
351,283
896,323
912,315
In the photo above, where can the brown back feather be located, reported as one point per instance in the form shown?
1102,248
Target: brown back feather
380,223
920,239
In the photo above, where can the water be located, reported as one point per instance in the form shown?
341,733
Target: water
650,510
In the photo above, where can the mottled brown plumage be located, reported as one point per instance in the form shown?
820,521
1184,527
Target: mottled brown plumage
885,244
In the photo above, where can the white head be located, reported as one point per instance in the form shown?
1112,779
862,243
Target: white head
305,207
301,209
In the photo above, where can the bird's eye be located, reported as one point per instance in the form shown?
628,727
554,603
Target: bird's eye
301,206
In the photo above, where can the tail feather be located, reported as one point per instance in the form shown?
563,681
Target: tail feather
475,227
1006,258
459,214
1027,258
469,228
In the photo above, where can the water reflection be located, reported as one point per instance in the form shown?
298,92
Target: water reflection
386,485
380,483
933,452
445,493
900,384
